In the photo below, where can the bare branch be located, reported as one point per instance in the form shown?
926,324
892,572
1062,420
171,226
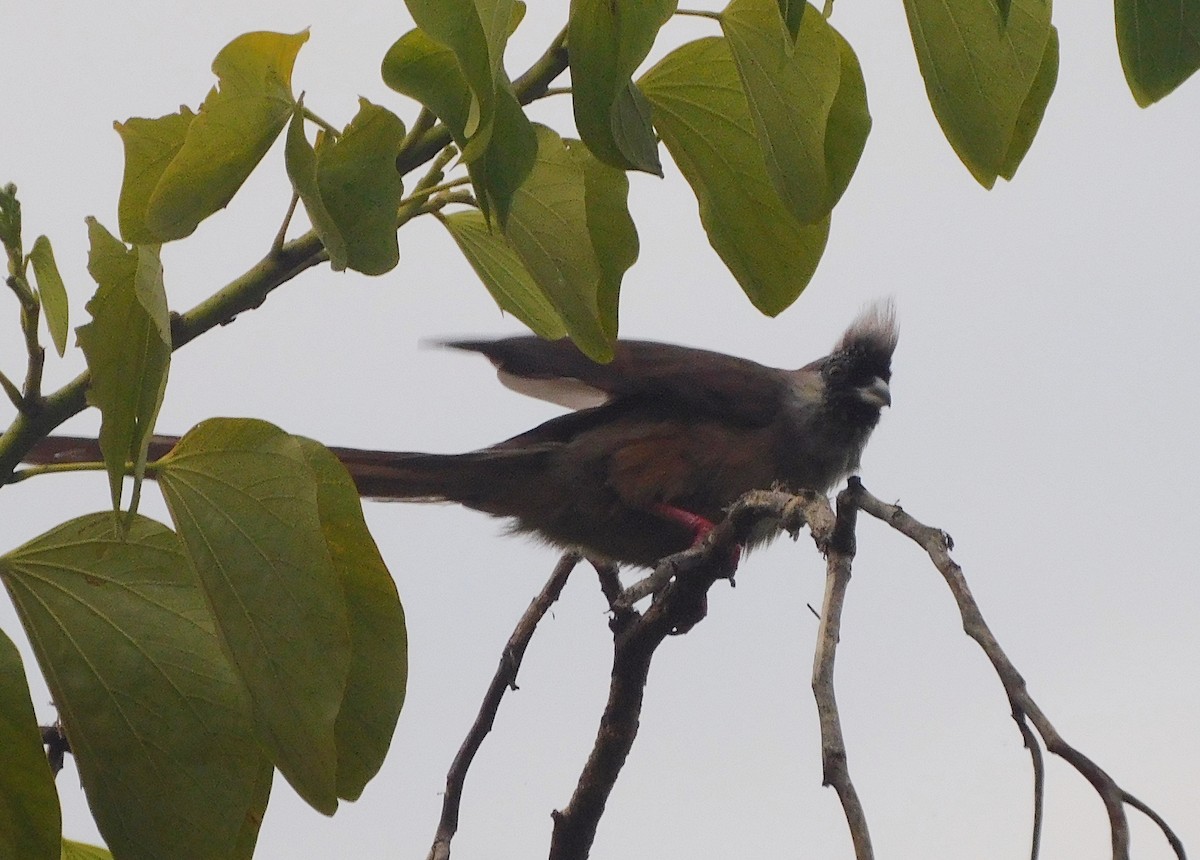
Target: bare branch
679,586
937,544
504,679
1039,779
734,530
610,581
836,537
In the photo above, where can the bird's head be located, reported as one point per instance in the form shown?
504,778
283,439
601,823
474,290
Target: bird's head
857,372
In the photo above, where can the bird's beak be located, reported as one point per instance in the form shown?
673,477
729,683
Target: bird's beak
876,394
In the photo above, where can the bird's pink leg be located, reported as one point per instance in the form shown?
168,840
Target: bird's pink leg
699,526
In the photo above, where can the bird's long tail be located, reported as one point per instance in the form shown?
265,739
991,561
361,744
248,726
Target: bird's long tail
475,479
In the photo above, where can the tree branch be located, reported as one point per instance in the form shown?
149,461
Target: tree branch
938,545
679,586
836,537
243,293
504,679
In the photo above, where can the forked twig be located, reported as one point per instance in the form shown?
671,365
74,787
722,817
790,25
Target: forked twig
678,587
504,679
937,544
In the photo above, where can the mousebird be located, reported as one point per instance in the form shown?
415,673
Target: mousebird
664,438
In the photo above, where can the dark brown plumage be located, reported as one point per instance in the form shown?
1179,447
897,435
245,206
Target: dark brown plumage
667,434
664,439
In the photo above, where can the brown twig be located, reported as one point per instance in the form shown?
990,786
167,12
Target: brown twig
679,586
610,581
737,526
1039,778
504,679
836,537
937,544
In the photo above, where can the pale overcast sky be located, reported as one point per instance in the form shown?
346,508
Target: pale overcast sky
1045,415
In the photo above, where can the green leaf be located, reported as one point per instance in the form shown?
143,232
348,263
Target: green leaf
503,273
158,723
150,147
30,821
792,12
260,793
608,41
350,187
361,189
790,92
128,349
979,69
244,500
378,641
849,121
611,228
475,31
52,291
236,125
79,851
548,228
420,68
704,120
509,159
301,162
10,220
1034,108
1159,43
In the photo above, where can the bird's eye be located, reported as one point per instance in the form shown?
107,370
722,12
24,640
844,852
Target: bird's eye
836,372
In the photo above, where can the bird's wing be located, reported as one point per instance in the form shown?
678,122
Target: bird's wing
666,376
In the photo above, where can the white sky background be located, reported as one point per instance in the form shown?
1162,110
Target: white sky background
1045,414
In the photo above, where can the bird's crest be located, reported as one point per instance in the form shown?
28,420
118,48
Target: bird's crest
874,331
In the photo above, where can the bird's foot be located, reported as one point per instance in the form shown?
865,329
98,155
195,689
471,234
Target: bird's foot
700,528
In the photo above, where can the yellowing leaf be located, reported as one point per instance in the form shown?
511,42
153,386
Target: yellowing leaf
1030,117
150,147
79,851
350,188
233,130
611,228
128,349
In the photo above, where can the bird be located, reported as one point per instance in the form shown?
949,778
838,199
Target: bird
659,443
662,439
